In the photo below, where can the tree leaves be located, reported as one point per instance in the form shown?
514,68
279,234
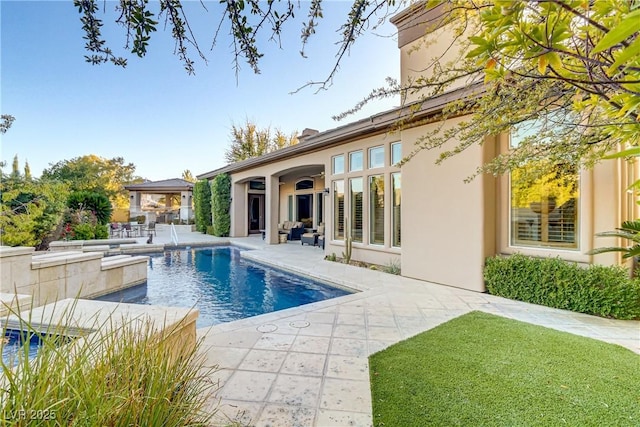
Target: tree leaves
623,30
589,51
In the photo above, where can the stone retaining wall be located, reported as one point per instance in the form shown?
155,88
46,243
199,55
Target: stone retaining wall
52,276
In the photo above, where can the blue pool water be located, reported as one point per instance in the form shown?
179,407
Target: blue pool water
222,285
12,346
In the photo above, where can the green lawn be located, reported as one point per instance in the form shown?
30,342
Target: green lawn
485,370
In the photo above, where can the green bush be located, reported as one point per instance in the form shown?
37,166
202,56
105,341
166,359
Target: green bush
97,203
84,231
210,230
605,291
202,202
101,231
221,204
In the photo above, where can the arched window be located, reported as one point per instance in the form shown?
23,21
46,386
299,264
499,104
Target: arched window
304,184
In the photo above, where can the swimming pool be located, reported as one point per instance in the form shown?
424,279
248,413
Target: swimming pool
16,343
222,285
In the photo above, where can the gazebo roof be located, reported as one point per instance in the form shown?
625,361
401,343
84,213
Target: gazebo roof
164,186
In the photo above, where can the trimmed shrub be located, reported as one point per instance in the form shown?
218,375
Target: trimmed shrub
605,291
221,204
84,231
210,230
202,208
101,231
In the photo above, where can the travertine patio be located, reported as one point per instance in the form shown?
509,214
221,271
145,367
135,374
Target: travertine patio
308,366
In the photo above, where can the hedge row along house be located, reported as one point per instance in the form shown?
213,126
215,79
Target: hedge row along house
424,215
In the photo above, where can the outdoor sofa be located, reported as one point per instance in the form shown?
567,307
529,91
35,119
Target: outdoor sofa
292,229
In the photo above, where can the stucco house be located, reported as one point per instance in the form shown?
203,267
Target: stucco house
424,216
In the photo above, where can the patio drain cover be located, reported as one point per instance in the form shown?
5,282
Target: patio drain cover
267,327
299,324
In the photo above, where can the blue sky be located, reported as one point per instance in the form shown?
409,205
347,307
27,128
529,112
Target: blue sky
152,113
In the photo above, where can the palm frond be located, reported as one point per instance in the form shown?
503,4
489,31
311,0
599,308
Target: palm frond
598,251
631,226
620,233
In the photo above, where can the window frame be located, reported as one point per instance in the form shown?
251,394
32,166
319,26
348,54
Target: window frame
391,149
371,156
352,210
333,164
512,240
336,234
372,218
351,154
393,214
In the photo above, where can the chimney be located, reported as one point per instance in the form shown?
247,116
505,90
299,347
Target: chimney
307,133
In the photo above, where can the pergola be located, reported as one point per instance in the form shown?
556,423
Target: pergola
169,188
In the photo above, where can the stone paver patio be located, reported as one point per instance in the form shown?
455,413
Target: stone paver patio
308,366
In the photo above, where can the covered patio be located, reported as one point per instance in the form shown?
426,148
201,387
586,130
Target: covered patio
164,202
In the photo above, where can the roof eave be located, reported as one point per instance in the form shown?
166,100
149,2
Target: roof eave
382,122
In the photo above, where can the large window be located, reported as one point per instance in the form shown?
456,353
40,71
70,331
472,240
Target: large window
397,196
355,219
355,161
290,208
544,211
543,197
376,209
338,164
396,153
338,210
376,157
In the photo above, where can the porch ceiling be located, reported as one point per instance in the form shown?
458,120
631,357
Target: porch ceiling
290,173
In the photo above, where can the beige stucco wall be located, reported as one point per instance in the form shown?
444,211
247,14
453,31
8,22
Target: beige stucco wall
448,225
418,59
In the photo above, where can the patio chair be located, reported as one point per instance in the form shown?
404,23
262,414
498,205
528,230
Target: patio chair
309,239
114,229
126,229
151,228
312,238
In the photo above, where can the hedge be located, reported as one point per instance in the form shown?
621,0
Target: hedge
202,199
605,291
221,204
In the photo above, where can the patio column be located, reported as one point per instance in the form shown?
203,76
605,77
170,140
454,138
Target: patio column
185,205
271,208
238,210
134,203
